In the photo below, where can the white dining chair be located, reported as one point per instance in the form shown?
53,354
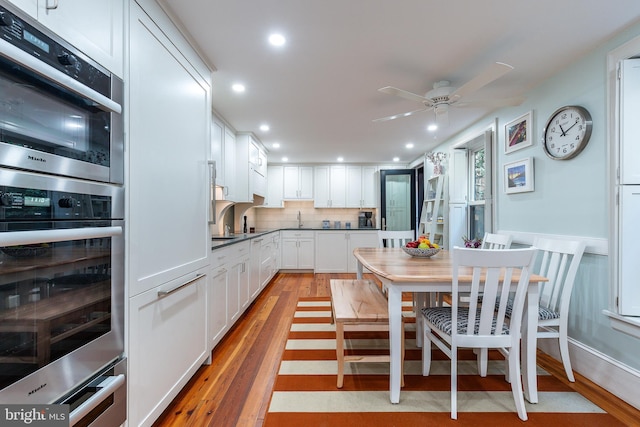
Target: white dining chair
478,325
394,238
496,241
559,264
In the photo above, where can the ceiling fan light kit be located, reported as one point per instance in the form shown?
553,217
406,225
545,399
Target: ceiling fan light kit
444,95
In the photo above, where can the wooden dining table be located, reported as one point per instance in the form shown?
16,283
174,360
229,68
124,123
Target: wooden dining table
399,272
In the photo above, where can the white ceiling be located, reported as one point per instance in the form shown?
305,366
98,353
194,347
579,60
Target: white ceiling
319,92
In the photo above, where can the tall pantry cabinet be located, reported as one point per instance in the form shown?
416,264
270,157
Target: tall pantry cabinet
169,116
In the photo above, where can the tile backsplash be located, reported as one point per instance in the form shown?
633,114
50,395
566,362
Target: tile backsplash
287,217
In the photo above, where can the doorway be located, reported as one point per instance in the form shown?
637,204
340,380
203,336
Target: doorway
398,199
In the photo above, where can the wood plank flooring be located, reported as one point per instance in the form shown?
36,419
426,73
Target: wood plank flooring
235,389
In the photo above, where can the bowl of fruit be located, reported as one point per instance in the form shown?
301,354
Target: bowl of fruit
421,248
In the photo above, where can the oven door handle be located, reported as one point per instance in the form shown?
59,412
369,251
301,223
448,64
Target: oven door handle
107,387
13,238
19,56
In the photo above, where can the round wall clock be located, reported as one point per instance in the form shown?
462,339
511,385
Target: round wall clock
567,132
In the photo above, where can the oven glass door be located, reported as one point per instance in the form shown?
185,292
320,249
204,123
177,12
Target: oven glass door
48,125
55,296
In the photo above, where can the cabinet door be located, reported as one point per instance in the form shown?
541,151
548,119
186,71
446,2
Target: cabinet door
321,192
370,187
167,345
331,252
306,182
243,283
306,257
171,241
217,150
217,297
359,239
29,6
275,187
629,126
229,154
289,257
95,27
291,180
254,273
338,186
233,293
354,187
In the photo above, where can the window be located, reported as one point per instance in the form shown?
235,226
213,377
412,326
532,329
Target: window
477,190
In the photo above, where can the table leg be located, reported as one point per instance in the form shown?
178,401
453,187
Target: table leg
419,302
395,342
358,269
529,344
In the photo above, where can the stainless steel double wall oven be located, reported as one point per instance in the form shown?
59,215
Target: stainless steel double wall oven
61,226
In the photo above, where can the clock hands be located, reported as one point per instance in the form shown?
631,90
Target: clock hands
574,123
563,132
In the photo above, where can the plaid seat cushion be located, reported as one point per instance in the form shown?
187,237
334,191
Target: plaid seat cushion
543,312
441,318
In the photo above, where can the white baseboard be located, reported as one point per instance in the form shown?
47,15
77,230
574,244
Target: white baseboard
620,380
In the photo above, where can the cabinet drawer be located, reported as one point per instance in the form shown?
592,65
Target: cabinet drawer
220,256
297,234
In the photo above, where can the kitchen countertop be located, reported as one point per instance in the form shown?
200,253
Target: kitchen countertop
221,241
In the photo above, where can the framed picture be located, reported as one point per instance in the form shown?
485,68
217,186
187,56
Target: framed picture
517,133
518,176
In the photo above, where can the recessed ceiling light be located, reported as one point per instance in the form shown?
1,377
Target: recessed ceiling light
409,145
264,128
341,159
277,39
396,159
276,145
432,128
285,159
237,87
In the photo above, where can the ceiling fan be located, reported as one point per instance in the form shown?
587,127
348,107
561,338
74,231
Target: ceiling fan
443,95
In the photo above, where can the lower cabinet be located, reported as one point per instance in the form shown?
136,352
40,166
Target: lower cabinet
334,249
167,343
297,250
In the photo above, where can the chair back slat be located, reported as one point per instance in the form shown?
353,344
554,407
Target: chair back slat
393,238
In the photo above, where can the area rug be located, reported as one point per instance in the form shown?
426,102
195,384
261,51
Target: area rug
305,392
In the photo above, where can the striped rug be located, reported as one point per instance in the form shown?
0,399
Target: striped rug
305,392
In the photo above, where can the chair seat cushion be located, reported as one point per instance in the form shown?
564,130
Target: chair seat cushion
543,312
440,317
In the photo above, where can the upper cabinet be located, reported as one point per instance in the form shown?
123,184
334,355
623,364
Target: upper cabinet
223,152
298,182
275,187
330,186
361,186
249,179
95,27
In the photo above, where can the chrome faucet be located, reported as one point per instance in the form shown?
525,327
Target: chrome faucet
299,220
227,230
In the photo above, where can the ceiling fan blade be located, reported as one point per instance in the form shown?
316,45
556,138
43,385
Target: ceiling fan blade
397,116
390,90
492,73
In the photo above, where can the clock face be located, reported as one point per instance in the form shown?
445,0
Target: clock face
567,132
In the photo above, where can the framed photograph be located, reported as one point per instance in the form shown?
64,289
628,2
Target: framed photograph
517,133
518,176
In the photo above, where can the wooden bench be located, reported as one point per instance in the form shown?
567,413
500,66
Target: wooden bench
358,305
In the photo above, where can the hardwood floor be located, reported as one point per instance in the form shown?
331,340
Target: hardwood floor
235,389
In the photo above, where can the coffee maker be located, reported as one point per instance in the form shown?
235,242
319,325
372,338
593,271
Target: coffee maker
365,220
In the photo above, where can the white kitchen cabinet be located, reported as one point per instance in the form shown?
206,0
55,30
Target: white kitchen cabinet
334,249
275,187
330,186
254,268
297,249
95,27
298,182
238,297
269,258
361,186
229,186
168,196
217,304
167,344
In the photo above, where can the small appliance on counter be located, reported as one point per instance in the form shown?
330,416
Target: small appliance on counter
337,224
326,224
365,219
